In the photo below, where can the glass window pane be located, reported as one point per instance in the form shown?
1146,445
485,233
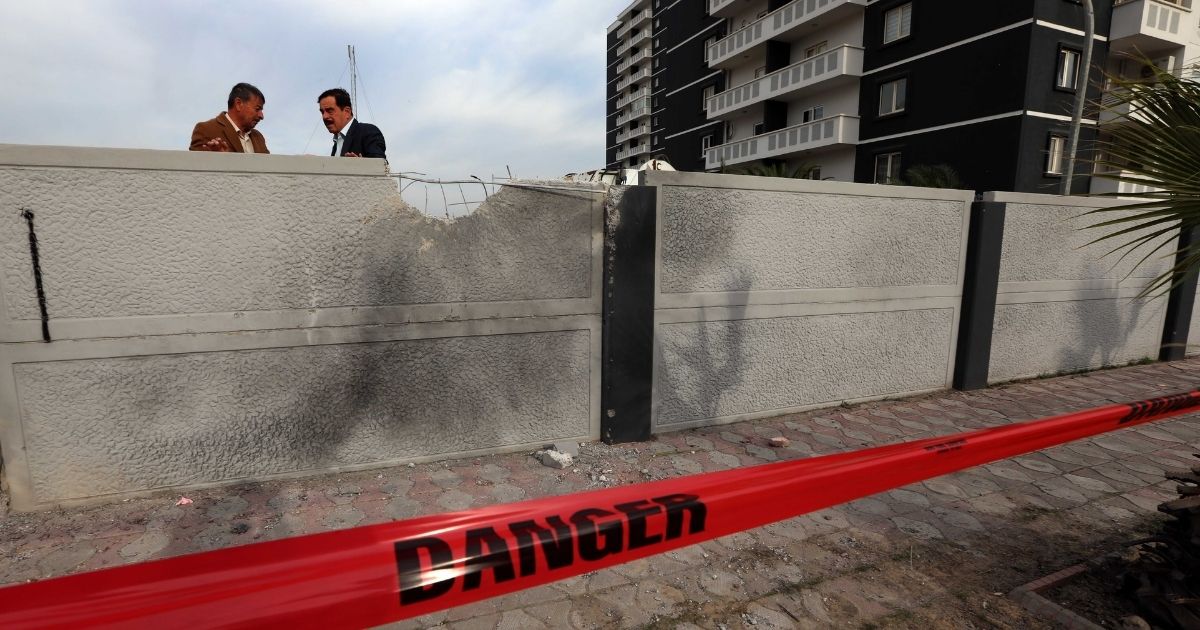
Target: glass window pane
901,90
886,94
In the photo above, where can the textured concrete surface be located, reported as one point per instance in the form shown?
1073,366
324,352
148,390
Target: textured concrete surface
109,426
1044,338
719,369
718,239
777,294
929,555
1044,241
216,320
118,243
1064,305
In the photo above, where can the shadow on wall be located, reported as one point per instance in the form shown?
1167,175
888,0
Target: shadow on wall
1104,331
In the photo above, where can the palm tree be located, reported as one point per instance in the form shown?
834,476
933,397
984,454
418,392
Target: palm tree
931,176
1154,144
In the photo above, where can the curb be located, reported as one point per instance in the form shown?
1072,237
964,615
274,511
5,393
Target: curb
1030,598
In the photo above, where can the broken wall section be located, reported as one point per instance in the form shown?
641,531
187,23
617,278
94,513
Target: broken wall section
217,318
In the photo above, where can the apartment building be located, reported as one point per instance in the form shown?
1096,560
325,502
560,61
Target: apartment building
863,90
657,78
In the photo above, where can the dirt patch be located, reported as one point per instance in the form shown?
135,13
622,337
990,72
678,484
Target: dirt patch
1094,595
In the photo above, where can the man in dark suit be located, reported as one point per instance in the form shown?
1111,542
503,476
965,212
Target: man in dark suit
351,138
232,131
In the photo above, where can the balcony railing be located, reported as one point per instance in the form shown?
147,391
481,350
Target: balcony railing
636,110
629,98
1150,24
1109,186
773,25
716,6
629,63
640,130
626,81
843,61
638,150
825,132
633,20
633,41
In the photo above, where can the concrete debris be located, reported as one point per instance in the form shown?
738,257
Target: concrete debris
570,448
779,442
554,459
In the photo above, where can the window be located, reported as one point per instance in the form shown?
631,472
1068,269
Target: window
897,23
759,71
887,168
708,93
1067,76
655,81
654,121
813,51
812,113
730,131
705,143
653,141
1055,149
759,128
707,43
891,96
815,173
657,43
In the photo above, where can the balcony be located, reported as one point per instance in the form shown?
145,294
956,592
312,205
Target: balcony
637,18
1150,26
629,98
636,110
827,132
626,81
628,153
640,130
782,24
840,65
1105,186
722,8
629,63
633,41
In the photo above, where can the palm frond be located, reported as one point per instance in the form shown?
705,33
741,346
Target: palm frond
1153,142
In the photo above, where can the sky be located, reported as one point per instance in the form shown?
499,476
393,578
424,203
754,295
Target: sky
459,87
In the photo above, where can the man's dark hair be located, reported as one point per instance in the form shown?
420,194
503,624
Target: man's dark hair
340,96
244,91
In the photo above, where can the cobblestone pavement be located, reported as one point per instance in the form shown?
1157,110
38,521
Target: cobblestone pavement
935,554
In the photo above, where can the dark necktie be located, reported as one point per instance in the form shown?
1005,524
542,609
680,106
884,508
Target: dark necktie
333,150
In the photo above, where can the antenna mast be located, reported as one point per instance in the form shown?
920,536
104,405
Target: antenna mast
353,77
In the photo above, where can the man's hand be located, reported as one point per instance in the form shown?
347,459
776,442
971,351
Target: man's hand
216,144
350,154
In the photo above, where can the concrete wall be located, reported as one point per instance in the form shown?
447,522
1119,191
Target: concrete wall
777,295
226,317
1062,305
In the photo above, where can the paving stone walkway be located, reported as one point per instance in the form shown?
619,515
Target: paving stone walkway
942,553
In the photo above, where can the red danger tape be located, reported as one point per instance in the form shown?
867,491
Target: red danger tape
372,575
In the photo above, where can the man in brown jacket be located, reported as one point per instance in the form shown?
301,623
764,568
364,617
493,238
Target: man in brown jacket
233,130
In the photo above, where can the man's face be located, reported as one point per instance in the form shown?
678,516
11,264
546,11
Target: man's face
335,117
246,114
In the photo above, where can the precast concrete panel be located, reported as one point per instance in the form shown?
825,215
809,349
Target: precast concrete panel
1064,303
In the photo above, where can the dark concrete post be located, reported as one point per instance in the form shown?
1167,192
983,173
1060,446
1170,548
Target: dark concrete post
1180,302
627,368
981,283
